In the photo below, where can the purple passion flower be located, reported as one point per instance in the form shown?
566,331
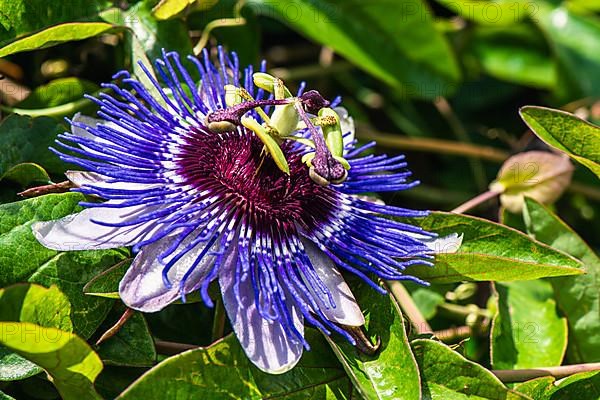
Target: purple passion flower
199,206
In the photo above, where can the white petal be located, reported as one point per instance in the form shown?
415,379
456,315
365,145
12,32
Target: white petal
265,342
347,125
142,288
84,119
78,232
346,311
93,179
446,244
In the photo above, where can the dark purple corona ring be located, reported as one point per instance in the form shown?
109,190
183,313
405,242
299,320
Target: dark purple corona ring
199,206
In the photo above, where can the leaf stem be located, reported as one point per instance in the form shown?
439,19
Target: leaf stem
113,330
171,348
475,201
218,327
409,307
439,146
522,375
454,333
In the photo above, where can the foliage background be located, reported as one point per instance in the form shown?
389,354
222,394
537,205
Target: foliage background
440,81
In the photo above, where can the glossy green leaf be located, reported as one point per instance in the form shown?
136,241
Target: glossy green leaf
492,12
26,139
57,92
379,37
4,396
577,297
37,305
489,252
132,346
54,35
23,16
69,360
573,39
526,330
222,371
567,133
518,54
167,9
106,283
581,386
26,174
447,375
23,258
392,372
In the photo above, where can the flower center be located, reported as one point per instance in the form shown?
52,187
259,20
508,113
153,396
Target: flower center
236,167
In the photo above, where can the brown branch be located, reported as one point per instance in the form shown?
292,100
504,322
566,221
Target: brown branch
409,307
522,375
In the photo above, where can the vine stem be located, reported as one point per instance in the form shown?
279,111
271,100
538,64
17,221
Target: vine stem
218,326
475,201
409,307
522,375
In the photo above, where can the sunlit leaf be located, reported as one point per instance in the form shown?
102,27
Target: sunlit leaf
581,386
489,252
23,258
54,35
564,131
447,375
69,360
577,297
222,371
527,331
392,372
37,305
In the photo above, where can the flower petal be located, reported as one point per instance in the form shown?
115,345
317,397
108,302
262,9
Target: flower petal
346,311
78,232
446,244
142,288
265,342
93,179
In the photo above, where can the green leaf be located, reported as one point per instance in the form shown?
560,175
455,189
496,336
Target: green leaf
167,9
152,35
518,54
35,304
222,371
132,346
26,139
573,39
69,360
581,386
526,330
23,16
23,258
55,35
106,283
447,375
427,299
4,396
57,92
489,252
492,12
567,133
577,297
392,372
379,37
47,307
26,174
